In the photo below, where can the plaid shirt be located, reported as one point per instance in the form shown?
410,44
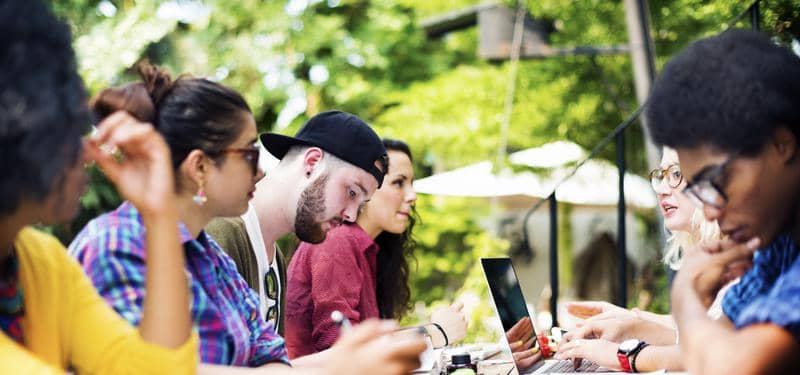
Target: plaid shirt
111,249
770,291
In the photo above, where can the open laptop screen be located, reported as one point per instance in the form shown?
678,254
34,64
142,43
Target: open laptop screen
505,291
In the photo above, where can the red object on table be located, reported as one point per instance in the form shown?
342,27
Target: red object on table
544,345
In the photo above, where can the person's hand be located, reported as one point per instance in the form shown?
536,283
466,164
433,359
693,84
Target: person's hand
611,329
620,328
704,273
522,346
602,352
588,309
525,356
141,168
522,343
520,334
452,320
372,347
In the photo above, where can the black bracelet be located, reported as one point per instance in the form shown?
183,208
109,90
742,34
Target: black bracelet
636,355
446,340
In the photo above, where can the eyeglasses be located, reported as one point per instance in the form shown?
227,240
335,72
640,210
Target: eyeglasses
272,289
249,154
672,174
272,316
705,190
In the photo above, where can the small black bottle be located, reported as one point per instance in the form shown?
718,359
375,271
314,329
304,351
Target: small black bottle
462,362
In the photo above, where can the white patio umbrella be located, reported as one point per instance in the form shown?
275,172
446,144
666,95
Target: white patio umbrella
595,183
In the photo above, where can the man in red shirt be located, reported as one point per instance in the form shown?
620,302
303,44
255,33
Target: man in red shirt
315,291
331,166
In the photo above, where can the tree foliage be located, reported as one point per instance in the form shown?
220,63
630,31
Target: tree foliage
292,59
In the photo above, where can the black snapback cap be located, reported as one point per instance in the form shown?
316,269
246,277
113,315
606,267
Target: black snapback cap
339,133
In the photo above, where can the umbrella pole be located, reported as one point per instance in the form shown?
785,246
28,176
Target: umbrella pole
553,203
622,256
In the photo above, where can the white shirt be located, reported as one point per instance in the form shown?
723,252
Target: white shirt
253,228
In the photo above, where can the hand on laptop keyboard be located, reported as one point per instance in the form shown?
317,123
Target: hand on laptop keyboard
602,352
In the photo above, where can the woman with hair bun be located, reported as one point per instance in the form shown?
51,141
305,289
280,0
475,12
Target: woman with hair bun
212,136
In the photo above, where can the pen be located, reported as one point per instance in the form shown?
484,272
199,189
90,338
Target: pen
341,321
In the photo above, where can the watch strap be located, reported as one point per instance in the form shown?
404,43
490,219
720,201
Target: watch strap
624,362
626,358
635,355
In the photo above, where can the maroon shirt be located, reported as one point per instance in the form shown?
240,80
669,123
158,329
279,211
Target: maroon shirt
338,274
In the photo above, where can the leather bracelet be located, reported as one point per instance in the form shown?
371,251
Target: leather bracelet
446,340
636,355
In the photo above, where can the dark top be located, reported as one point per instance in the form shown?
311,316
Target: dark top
231,235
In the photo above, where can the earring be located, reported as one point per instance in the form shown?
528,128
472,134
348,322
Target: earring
200,198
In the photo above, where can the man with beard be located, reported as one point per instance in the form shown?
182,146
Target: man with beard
332,165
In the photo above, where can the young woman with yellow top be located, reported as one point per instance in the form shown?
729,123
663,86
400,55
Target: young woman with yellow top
52,319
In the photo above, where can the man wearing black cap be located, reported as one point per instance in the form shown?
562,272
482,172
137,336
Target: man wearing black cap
331,166
326,171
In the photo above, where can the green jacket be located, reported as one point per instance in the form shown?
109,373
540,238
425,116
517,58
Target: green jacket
231,235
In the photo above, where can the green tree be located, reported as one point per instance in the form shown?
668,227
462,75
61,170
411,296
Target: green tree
292,59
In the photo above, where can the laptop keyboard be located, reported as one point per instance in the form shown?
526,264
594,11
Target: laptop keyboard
566,365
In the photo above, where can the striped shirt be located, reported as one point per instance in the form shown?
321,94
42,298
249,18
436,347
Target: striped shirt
770,291
111,250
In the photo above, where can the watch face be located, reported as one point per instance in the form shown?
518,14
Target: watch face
628,345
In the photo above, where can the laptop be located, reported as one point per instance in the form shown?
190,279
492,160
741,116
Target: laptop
510,306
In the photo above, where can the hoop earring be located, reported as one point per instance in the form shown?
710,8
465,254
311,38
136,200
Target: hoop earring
200,197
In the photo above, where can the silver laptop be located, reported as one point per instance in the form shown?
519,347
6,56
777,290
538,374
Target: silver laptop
510,306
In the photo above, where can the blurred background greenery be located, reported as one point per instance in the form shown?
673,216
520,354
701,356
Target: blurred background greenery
292,59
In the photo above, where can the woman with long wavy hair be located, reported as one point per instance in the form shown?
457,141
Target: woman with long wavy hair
362,269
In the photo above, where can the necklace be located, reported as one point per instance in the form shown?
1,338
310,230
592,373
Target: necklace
11,306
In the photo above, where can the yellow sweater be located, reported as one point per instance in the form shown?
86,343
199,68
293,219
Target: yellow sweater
68,325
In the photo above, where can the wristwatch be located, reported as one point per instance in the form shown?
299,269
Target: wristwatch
627,350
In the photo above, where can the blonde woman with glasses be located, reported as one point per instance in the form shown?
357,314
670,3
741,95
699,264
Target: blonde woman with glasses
635,340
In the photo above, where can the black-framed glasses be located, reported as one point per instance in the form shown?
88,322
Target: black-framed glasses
271,284
249,154
705,189
671,174
272,291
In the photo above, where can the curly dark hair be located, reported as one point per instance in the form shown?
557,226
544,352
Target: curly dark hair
43,110
730,91
396,250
